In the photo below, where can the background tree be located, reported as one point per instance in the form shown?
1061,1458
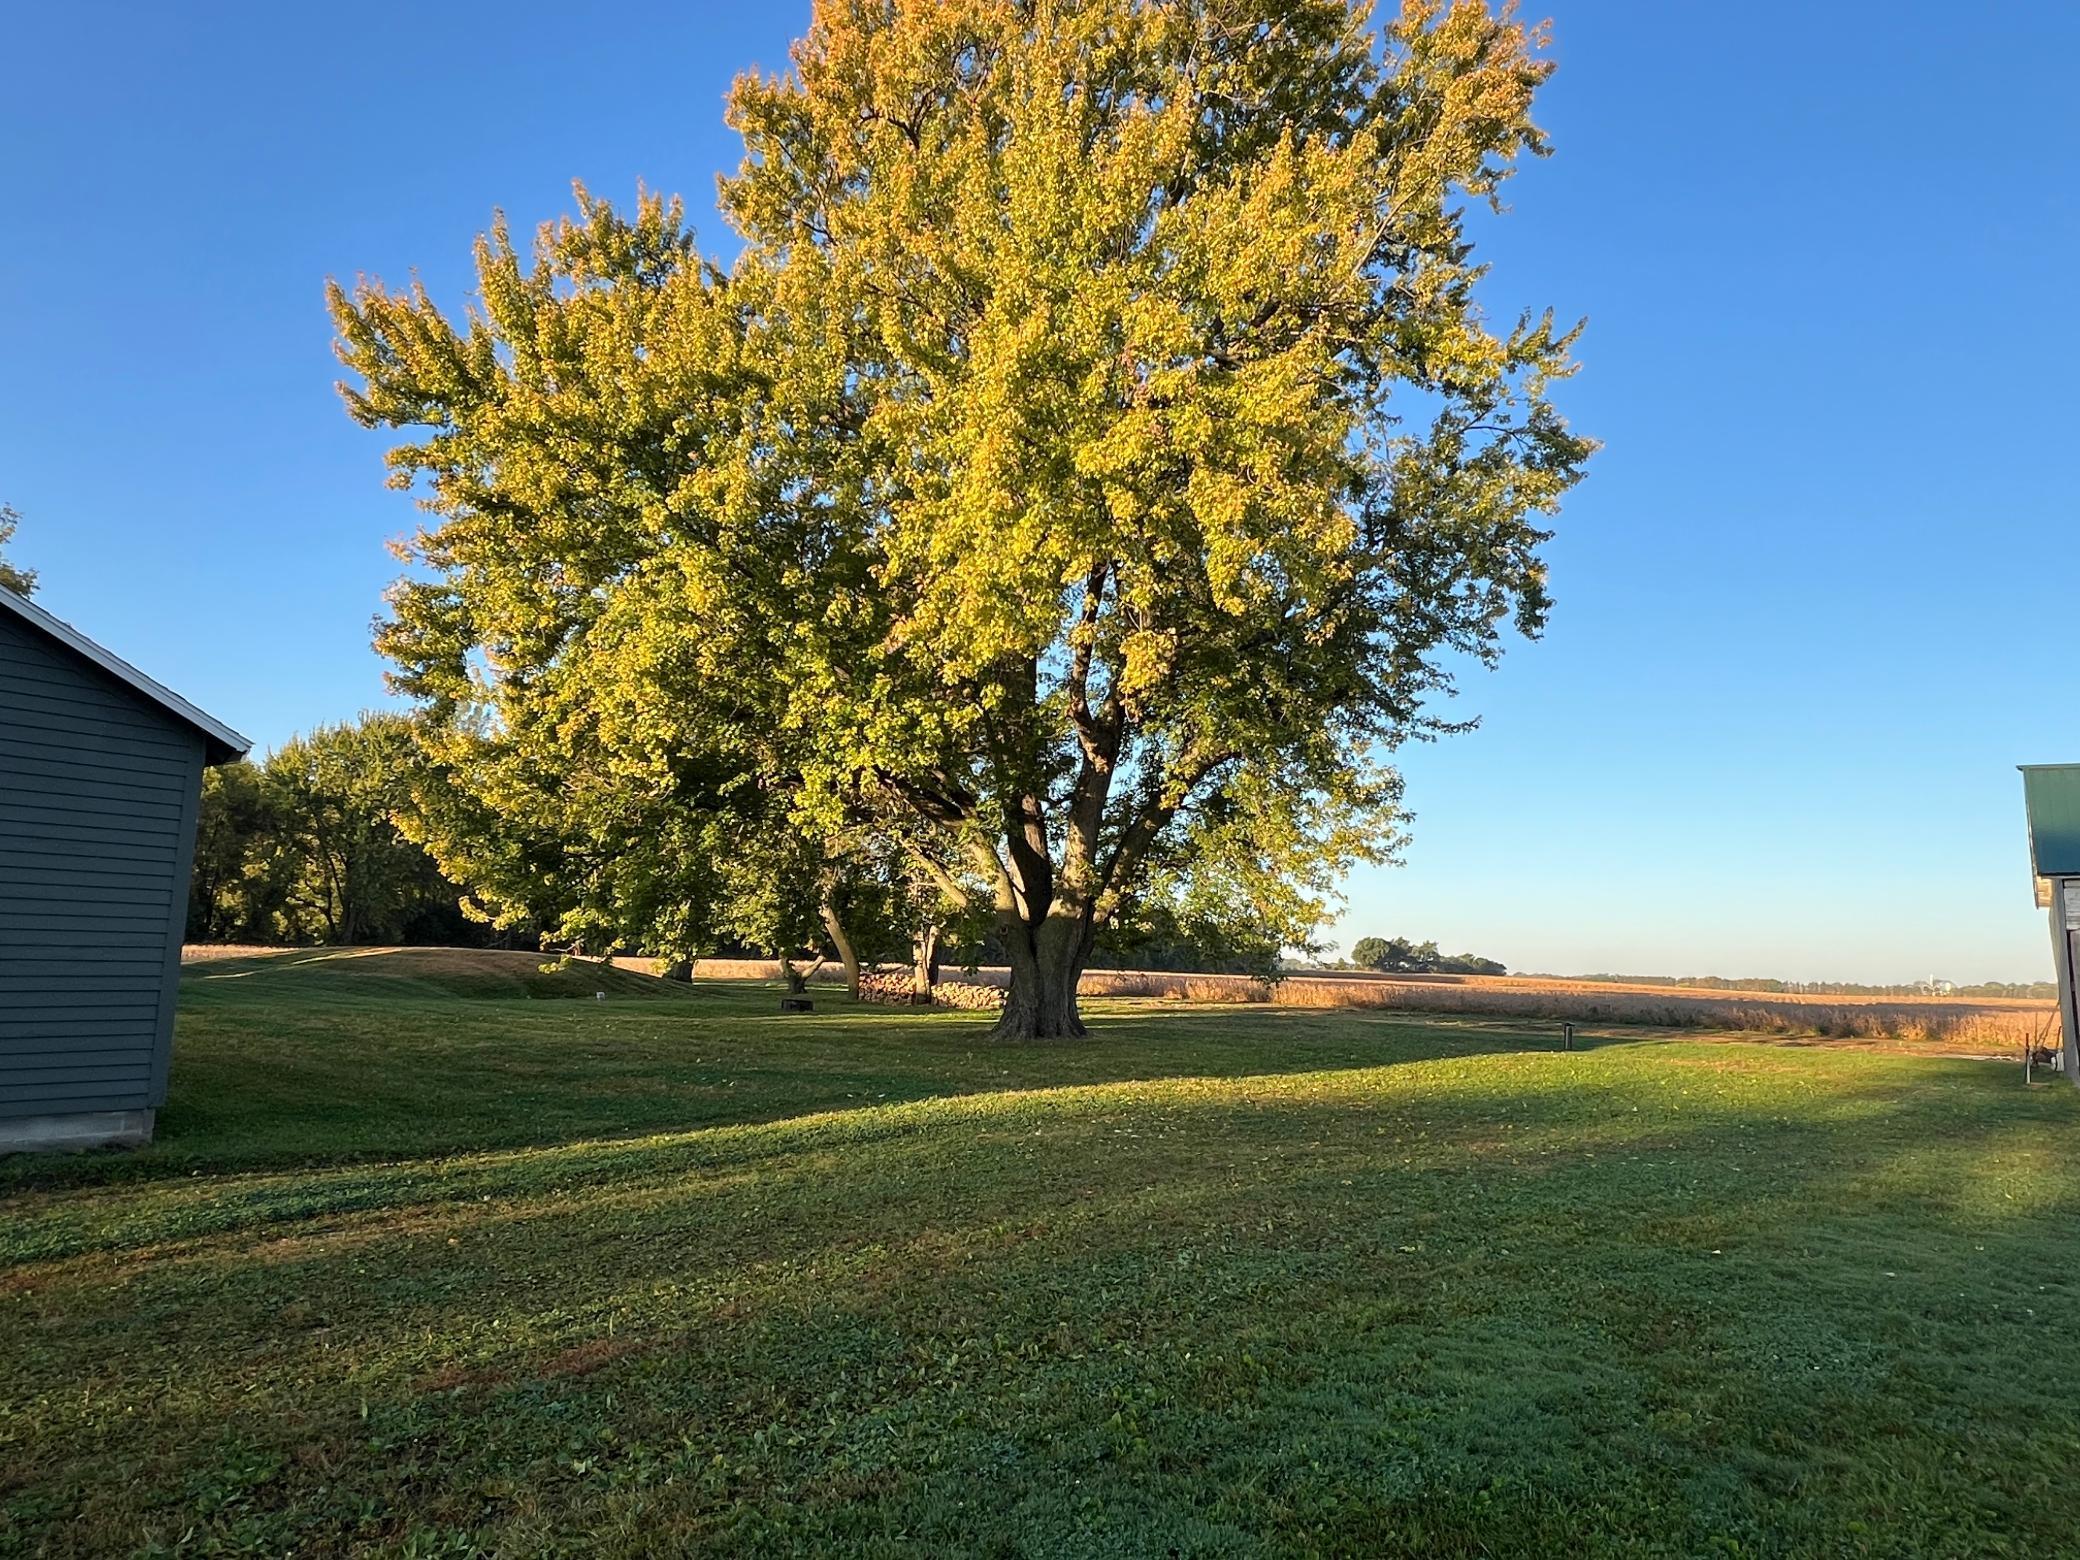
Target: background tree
1400,955
12,577
898,910
349,875
305,847
238,891
1096,459
1395,954
1371,953
1470,964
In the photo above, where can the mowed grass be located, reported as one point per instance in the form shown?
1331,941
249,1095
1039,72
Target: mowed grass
412,1271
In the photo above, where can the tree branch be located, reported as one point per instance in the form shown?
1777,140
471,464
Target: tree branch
1147,826
955,891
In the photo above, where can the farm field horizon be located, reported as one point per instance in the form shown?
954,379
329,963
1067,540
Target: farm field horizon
1956,1025
423,1264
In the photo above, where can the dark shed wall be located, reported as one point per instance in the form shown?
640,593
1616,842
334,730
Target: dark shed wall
97,819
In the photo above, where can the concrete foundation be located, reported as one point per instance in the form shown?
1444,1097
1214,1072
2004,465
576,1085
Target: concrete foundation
83,1129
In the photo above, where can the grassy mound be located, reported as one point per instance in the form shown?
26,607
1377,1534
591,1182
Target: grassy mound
474,973
411,1275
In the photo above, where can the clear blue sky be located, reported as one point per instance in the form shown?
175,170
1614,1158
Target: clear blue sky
1808,600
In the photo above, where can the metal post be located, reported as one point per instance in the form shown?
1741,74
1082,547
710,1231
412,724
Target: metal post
1567,1036
2062,959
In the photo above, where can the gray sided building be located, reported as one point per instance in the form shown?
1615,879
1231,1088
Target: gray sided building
100,774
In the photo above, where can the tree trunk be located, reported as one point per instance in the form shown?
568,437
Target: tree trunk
847,954
924,973
1046,963
675,969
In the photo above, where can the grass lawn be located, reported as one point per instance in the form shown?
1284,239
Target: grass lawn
424,1265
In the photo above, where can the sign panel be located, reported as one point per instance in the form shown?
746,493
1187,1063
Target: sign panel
2072,903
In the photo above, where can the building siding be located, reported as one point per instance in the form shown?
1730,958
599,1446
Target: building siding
98,791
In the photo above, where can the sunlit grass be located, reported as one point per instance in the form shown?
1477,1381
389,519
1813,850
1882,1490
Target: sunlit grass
415,1272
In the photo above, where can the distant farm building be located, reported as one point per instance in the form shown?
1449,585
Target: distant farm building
100,774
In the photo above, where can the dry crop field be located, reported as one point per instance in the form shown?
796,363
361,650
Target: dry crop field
1959,1026
1974,1026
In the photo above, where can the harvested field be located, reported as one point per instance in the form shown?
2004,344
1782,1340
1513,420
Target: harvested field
1963,1026
1984,1026
1975,1026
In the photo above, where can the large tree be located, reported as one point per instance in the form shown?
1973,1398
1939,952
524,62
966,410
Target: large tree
1097,456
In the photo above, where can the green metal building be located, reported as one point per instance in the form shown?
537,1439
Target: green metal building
2051,801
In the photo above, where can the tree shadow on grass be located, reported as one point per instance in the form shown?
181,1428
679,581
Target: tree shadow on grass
1668,1303
263,1080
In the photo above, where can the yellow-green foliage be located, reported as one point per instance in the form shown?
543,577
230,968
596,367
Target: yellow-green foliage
12,576
1096,455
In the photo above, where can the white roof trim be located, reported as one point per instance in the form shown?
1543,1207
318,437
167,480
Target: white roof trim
124,672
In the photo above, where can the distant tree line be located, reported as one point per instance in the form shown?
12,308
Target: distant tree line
302,848
1401,956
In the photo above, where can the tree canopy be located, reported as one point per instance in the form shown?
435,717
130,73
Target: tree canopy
1087,475
13,577
1399,954
303,847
